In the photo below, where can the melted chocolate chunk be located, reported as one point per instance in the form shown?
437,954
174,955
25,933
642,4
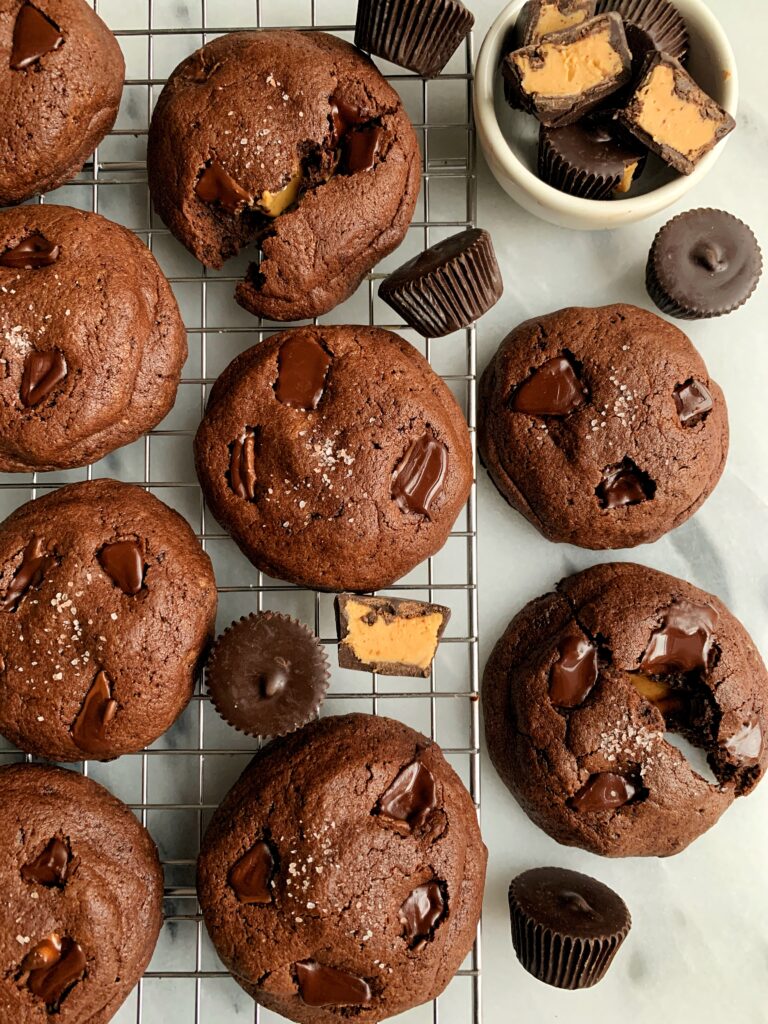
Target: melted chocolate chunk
360,148
250,876
574,673
303,367
34,252
551,390
242,465
50,866
123,562
624,484
419,477
411,798
34,35
30,573
603,792
693,402
90,727
42,372
52,968
747,743
343,117
684,641
421,913
327,986
215,185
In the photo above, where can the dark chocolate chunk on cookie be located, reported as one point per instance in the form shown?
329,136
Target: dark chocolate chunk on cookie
106,604
335,457
353,845
582,688
292,140
602,426
61,78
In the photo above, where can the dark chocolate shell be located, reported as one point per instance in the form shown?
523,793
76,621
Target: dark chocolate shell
421,35
448,286
659,18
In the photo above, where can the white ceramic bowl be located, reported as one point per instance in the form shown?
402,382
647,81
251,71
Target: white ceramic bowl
508,138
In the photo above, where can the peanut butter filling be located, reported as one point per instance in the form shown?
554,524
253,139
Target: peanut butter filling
403,641
665,697
626,182
568,69
671,120
552,19
275,203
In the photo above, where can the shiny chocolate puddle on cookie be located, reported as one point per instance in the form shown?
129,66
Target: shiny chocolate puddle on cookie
30,573
33,252
420,476
410,799
34,35
553,389
52,968
303,366
51,865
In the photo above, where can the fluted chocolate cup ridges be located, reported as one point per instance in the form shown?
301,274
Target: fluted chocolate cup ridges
420,35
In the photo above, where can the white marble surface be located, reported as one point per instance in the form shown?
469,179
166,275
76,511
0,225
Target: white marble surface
698,949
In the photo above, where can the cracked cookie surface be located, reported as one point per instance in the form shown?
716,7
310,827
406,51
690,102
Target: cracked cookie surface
335,456
602,426
82,897
61,79
582,687
294,140
343,874
107,601
91,339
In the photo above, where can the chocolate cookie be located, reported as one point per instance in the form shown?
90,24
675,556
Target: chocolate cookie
293,140
335,457
91,339
342,876
106,603
82,897
61,79
581,688
602,426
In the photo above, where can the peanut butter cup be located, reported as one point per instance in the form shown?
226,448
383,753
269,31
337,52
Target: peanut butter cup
660,20
448,286
421,35
589,159
566,927
703,264
267,674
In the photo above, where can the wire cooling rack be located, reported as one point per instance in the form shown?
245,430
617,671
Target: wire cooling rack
175,785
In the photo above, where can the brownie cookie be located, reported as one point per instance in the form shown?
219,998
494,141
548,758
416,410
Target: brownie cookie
61,79
602,426
91,339
343,874
82,897
106,603
292,139
335,457
581,688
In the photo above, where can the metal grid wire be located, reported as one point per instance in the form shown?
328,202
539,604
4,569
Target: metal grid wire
174,785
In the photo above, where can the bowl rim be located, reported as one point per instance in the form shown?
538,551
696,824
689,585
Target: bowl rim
609,212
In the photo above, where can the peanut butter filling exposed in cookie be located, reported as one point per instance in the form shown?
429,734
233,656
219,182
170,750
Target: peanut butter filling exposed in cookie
567,69
275,203
672,120
552,19
405,641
